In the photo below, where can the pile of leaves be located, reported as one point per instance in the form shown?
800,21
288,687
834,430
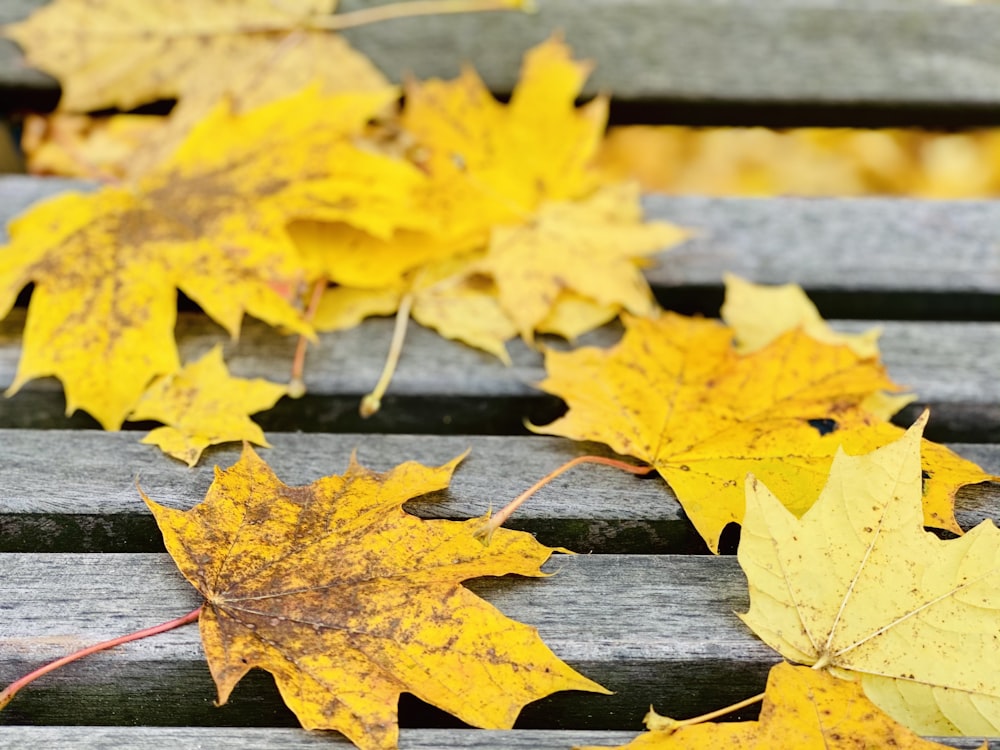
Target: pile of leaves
483,220
314,207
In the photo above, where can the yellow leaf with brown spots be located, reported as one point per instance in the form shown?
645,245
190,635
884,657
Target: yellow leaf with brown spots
911,617
211,223
122,54
675,393
204,405
803,709
349,601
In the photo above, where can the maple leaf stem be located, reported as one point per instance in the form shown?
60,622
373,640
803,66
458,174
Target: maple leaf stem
486,531
11,690
677,724
371,403
296,385
415,8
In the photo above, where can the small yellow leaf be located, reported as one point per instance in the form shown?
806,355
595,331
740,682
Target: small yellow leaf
463,306
572,315
203,405
803,709
758,314
349,601
588,247
914,618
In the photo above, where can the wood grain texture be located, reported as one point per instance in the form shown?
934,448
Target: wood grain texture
692,655
901,52
75,491
232,738
869,245
442,386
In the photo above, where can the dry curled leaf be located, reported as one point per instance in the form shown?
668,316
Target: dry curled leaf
914,618
210,222
349,601
675,393
203,405
803,709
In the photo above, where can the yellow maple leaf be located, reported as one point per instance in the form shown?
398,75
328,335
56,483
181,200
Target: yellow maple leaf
914,618
759,314
210,222
202,405
803,709
588,247
115,53
349,601
452,296
355,258
492,163
675,393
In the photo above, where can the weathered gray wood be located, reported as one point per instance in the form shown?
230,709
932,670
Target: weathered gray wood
858,245
846,51
75,490
232,738
952,366
664,633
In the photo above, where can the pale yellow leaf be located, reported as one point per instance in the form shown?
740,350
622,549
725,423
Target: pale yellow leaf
915,618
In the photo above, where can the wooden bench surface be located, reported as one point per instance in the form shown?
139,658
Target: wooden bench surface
80,543
888,53
82,560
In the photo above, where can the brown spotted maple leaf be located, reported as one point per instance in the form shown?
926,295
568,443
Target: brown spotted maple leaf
349,601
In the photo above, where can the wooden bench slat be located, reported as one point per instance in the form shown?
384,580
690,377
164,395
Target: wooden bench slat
449,387
76,490
232,738
665,633
863,245
889,52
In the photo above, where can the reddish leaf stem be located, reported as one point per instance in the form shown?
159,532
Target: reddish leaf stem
296,385
11,690
485,532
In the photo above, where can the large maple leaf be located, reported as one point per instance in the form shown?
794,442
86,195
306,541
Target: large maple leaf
803,709
210,222
349,601
675,393
915,618
124,53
